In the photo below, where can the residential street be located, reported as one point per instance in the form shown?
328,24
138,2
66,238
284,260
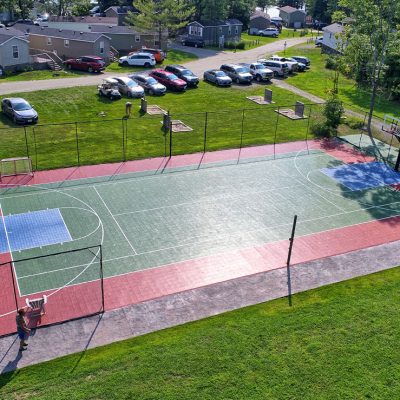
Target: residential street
208,59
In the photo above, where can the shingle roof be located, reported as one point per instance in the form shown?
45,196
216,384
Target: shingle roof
289,9
5,38
258,14
59,33
233,21
121,9
113,29
11,31
333,28
87,19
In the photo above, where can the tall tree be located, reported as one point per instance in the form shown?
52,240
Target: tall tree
374,25
241,10
159,15
291,3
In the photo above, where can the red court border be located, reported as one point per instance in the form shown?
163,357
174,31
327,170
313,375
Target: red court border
149,284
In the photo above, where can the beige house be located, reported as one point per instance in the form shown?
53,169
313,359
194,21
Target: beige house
292,17
259,21
67,43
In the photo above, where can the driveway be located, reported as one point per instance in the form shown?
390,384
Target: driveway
207,59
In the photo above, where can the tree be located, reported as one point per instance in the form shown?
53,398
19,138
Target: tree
373,31
81,7
241,10
292,3
265,3
159,15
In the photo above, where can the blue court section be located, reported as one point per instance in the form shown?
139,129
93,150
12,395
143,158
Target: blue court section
363,175
33,229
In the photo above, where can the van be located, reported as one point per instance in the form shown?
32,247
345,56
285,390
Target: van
277,67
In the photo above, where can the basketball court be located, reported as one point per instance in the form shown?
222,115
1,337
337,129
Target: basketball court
102,237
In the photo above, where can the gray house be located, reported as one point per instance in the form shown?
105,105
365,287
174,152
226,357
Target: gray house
292,17
119,12
332,41
14,52
216,33
259,21
125,38
67,43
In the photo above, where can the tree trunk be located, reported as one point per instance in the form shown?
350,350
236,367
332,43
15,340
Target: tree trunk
159,36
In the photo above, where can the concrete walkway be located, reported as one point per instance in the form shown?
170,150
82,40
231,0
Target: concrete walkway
208,59
75,336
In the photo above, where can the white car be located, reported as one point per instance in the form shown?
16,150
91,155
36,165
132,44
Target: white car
139,60
259,71
271,32
318,41
293,65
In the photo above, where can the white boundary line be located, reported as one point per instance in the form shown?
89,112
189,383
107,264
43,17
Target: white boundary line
65,225
130,244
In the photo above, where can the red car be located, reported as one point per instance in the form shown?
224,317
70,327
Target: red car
169,80
86,63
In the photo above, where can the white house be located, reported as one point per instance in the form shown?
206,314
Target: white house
332,42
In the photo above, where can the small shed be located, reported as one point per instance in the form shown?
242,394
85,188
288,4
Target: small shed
292,17
215,33
14,52
259,21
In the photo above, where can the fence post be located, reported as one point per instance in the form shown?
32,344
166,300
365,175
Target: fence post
26,142
14,288
289,281
205,132
34,142
102,278
123,138
308,127
276,129
77,144
170,134
242,130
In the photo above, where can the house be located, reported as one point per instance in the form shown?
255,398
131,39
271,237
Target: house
119,12
67,43
14,52
259,21
292,17
78,23
216,33
331,41
125,38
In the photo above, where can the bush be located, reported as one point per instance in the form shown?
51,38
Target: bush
304,32
321,129
353,123
333,112
330,63
235,45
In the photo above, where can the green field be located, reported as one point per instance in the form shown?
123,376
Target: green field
100,137
318,81
336,342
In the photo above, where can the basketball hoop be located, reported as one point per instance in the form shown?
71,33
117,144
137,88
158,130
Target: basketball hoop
36,307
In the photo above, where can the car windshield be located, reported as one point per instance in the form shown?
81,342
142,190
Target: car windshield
131,84
23,106
187,72
151,81
258,66
220,73
242,69
173,77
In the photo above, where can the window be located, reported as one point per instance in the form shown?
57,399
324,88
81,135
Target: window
137,38
220,29
101,47
15,52
49,41
195,30
229,30
66,43
236,30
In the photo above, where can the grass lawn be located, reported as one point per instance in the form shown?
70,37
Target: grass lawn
318,80
336,342
100,138
174,57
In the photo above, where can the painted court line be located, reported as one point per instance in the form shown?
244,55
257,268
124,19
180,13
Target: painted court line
65,225
122,231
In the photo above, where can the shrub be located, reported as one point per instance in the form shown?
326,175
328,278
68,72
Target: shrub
353,123
330,63
235,45
321,129
333,112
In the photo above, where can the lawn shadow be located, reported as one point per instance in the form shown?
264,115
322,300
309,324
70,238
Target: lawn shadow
10,370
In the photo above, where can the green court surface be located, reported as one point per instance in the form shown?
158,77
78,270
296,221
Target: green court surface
150,219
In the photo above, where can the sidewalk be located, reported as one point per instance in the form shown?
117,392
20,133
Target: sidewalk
191,305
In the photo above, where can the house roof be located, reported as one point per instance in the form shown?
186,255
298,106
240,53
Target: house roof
6,38
10,31
259,14
333,28
231,21
121,9
113,29
59,33
87,19
289,9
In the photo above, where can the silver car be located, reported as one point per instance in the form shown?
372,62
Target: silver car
129,87
237,73
218,77
149,84
19,110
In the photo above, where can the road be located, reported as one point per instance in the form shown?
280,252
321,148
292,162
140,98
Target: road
207,59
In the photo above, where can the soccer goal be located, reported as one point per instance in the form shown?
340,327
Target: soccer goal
15,166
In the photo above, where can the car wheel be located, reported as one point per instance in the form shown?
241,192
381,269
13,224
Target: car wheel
183,43
129,94
258,78
146,65
100,93
14,119
196,45
275,74
125,63
90,69
237,80
69,66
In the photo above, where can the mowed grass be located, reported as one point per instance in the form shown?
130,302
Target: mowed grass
79,113
336,342
319,80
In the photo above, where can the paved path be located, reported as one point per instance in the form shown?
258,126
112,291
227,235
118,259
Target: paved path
138,319
208,59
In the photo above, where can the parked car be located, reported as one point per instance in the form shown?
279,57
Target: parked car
109,88
193,41
277,67
168,79
86,63
259,71
304,60
301,67
237,73
292,65
318,41
218,77
138,59
158,54
149,84
185,74
270,32
129,87
19,110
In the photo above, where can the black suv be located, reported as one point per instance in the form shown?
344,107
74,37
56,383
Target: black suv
193,41
185,74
